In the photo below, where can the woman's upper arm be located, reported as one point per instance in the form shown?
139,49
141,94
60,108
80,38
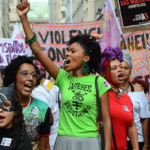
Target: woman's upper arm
104,100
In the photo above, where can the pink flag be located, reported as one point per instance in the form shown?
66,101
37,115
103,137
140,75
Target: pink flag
148,46
17,34
110,28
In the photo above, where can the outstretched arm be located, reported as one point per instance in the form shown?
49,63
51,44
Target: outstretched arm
22,9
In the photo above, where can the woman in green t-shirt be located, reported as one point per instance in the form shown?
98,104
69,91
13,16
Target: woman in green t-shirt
78,116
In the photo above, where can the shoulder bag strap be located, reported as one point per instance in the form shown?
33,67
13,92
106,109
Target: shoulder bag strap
100,124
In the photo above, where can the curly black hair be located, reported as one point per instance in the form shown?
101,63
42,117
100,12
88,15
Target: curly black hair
91,48
10,71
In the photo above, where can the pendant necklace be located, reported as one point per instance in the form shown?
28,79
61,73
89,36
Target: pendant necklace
27,105
125,90
117,95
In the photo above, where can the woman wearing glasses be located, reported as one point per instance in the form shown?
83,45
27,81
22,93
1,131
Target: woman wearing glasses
25,76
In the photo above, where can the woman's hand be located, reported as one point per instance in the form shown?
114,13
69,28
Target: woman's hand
97,36
23,8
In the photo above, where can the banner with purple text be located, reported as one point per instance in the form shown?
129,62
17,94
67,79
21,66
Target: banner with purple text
10,49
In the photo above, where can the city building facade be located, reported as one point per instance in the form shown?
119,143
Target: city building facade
39,13
57,11
4,19
84,10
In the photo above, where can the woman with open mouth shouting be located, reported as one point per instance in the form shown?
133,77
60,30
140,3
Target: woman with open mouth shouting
121,107
78,128
25,75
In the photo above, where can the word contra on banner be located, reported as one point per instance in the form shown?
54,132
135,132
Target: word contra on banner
10,49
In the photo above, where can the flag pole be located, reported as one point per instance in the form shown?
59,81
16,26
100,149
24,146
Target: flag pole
121,34
112,7
147,52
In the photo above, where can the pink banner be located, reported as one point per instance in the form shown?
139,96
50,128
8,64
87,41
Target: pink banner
53,37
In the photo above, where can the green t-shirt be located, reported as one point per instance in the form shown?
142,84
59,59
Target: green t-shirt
78,114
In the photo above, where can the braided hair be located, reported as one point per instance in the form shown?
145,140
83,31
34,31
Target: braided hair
91,48
108,55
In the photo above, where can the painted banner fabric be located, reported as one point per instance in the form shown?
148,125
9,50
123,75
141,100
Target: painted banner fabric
17,34
54,37
135,44
110,27
10,49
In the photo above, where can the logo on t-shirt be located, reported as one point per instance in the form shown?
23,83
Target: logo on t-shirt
6,141
125,108
106,84
34,110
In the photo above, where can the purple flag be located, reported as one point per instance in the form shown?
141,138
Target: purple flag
148,46
110,28
149,94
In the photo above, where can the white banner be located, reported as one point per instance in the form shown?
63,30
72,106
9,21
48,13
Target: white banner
17,34
10,49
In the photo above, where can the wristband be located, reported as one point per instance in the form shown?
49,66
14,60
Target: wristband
32,39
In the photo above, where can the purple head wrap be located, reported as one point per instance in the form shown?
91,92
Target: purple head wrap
111,54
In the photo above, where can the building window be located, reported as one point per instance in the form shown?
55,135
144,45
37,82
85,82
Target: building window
63,14
11,1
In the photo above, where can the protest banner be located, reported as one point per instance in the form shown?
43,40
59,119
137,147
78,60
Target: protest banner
10,49
17,34
53,37
136,44
134,15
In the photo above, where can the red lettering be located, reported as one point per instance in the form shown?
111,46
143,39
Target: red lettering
125,2
134,1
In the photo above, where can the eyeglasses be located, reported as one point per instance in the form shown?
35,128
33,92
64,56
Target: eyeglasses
26,74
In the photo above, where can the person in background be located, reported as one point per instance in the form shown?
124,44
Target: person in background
25,75
121,107
141,83
48,93
12,126
78,128
140,103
